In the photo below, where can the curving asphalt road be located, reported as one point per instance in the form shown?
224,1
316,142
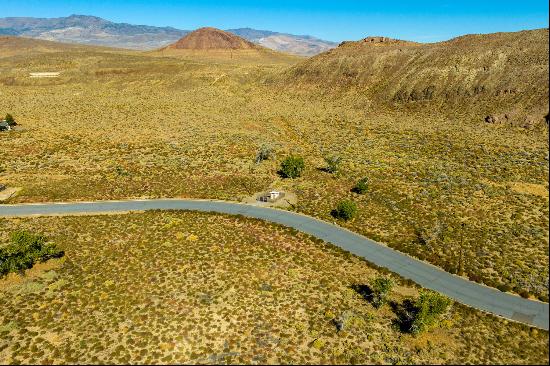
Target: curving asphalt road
481,297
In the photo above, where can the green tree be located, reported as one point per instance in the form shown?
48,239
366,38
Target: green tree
346,210
381,288
361,186
428,309
333,163
292,167
10,120
24,250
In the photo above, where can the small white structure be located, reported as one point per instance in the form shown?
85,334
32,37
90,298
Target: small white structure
274,195
44,74
271,196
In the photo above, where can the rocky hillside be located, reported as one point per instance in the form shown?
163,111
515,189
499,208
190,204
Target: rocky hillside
500,78
212,39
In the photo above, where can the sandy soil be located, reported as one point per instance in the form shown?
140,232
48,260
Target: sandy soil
8,193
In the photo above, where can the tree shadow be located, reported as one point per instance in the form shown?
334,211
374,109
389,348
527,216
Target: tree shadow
420,236
325,170
405,312
364,290
284,175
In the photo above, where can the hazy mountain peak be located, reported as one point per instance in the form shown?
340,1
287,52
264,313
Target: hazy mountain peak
87,29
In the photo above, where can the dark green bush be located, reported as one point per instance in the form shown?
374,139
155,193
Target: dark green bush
292,167
24,251
346,210
361,186
428,308
9,119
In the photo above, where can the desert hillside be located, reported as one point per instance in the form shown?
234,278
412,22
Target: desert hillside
500,78
11,46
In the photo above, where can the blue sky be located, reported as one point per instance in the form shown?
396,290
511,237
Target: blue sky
422,21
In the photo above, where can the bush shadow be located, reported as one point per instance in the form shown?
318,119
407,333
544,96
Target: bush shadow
405,314
364,290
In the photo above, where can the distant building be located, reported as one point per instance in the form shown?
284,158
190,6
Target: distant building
271,196
44,74
274,195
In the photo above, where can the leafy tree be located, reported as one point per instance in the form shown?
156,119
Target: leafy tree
346,210
9,119
292,167
429,307
361,186
381,288
333,163
25,250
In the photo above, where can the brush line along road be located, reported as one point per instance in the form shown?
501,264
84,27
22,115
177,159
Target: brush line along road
481,297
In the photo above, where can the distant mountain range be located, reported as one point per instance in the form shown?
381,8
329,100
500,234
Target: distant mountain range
97,31
284,42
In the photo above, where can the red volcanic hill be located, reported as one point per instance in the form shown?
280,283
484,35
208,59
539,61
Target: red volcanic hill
212,39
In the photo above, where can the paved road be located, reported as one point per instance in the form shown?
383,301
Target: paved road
475,295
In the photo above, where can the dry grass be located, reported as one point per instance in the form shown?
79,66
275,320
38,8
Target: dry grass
187,287
123,124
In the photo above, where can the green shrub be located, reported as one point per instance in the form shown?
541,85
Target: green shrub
504,287
24,251
428,308
346,210
381,288
361,186
9,119
292,167
333,163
